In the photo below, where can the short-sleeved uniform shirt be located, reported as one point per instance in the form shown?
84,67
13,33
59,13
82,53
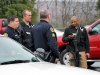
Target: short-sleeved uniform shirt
12,33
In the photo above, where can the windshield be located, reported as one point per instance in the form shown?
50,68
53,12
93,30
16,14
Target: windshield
10,50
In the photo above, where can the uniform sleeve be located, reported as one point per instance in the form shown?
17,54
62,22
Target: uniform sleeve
31,45
52,41
87,45
7,34
65,36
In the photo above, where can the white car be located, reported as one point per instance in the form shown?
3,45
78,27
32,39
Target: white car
87,26
43,68
58,32
15,59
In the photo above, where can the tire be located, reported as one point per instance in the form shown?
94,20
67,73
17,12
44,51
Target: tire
64,58
89,63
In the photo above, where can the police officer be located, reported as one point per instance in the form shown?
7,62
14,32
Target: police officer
43,35
82,41
11,31
25,27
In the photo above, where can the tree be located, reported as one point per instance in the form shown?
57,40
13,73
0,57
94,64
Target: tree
16,7
87,9
98,9
98,5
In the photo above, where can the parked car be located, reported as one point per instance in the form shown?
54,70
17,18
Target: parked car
94,43
87,26
3,24
13,52
58,32
93,31
16,59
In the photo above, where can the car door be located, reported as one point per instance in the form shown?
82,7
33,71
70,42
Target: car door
95,42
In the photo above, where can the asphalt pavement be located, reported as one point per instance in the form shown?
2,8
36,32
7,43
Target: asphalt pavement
95,66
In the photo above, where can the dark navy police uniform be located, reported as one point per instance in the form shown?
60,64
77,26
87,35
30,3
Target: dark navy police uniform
43,36
25,32
12,33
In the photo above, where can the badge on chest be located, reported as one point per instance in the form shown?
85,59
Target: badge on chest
28,33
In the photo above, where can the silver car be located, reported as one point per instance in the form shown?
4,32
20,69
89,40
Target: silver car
15,59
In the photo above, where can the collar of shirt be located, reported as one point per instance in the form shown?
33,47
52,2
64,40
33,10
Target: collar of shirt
43,21
11,28
74,27
28,25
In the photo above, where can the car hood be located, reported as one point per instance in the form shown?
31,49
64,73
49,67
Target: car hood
42,68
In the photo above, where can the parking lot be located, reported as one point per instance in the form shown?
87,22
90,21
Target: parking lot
95,66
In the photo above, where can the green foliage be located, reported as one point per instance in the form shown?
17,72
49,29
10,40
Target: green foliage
98,5
15,7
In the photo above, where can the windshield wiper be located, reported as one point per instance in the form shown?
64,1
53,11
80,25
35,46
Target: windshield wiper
14,61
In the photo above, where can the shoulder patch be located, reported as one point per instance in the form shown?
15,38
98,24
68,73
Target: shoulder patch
5,34
53,35
81,29
51,29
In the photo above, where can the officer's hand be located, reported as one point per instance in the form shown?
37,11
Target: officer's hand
56,60
71,36
87,55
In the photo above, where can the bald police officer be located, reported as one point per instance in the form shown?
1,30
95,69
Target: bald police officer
82,41
11,31
44,36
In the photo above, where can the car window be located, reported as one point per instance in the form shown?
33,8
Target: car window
4,23
11,50
96,28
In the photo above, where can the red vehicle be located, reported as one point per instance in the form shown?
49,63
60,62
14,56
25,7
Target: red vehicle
94,37
3,24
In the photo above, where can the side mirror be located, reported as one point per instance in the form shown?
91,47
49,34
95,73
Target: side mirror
34,59
91,32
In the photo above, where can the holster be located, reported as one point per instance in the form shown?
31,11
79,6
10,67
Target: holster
49,57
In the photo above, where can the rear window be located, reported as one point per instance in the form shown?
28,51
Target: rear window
4,23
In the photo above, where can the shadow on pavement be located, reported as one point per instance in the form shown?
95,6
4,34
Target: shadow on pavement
94,68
